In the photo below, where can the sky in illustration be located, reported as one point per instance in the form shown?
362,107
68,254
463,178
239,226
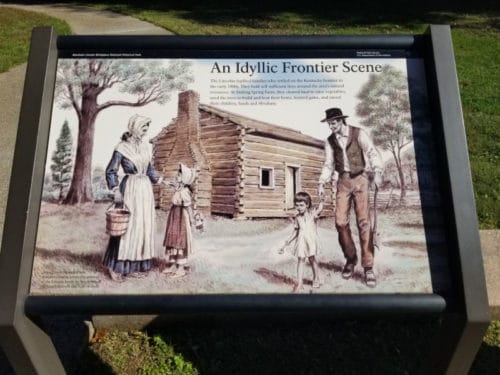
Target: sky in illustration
302,115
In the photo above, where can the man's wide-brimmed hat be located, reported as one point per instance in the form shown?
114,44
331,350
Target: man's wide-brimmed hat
333,113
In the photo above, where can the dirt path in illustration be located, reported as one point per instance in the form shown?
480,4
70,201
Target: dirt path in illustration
231,257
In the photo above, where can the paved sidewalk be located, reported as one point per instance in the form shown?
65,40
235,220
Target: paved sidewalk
85,20
490,245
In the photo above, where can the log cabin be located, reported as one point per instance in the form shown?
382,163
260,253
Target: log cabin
245,168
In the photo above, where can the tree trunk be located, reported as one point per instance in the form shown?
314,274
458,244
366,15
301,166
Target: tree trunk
410,169
396,178
80,190
399,167
402,182
59,200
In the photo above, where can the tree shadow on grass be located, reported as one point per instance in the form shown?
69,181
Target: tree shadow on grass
303,347
321,16
358,274
69,335
487,361
5,368
331,266
328,14
274,277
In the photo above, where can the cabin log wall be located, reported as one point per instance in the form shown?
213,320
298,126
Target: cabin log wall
221,142
261,151
229,151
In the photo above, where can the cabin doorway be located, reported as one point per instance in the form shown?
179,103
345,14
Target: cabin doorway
292,184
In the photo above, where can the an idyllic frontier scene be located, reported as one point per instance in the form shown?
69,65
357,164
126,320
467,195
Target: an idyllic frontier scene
177,176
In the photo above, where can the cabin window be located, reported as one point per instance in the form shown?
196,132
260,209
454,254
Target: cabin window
266,178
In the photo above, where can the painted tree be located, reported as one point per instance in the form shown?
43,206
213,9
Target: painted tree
80,84
385,107
410,163
62,161
99,186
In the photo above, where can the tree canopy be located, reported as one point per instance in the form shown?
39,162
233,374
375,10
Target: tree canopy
146,80
384,107
129,82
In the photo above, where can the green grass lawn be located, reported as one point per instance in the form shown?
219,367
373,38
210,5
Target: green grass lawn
15,33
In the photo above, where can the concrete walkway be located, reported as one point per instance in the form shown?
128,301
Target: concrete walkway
85,20
490,245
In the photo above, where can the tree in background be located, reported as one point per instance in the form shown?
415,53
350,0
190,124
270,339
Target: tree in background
99,186
385,108
62,161
410,164
391,174
79,84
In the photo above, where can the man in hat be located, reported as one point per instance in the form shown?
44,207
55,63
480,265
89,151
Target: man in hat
351,162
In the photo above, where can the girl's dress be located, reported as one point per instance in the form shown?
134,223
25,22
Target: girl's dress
178,236
307,243
133,251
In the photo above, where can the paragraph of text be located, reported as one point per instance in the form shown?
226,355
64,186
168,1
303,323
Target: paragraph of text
238,92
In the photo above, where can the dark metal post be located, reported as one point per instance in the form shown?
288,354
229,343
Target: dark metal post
462,331
29,349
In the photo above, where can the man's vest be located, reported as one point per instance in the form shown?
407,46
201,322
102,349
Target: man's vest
355,157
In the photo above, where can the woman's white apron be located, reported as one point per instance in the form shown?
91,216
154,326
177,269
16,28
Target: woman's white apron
138,242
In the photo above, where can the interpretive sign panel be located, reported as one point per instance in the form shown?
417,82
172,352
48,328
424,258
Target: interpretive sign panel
238,175
277,176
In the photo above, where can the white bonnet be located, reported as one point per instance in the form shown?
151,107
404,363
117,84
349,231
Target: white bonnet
136,122
188,175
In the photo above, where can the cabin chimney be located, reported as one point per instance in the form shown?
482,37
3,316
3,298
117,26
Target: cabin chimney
188,116
180,142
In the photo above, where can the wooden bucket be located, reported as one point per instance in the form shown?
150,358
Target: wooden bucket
117,220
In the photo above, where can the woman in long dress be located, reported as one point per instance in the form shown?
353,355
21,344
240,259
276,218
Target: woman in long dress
133,252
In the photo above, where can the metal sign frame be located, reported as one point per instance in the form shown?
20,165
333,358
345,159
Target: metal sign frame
465,313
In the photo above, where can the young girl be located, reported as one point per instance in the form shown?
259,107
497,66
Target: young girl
178,236
306,237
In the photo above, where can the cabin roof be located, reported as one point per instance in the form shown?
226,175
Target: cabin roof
163,131
253,126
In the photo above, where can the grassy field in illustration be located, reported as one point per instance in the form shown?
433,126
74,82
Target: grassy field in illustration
230,256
